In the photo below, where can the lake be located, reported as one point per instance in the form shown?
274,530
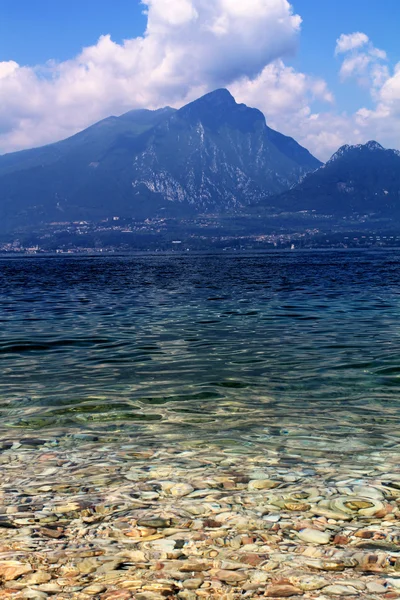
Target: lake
200,426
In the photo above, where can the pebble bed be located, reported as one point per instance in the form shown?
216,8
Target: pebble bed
83,518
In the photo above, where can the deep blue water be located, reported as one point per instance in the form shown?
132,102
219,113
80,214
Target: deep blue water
296,350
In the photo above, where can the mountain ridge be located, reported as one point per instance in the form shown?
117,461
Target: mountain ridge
358,180
252,173
213,154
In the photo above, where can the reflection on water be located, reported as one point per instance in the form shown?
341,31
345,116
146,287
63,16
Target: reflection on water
297,352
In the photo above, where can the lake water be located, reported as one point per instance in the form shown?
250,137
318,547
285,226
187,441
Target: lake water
218,427
296,352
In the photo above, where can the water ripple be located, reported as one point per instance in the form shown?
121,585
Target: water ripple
299,351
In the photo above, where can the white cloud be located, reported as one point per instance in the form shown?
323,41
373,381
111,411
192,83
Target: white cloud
363,61
281,91
189,47
384,119
7,68
369,67
377,53
355,65
286,97
350,41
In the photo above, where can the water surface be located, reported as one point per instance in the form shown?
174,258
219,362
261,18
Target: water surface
297,352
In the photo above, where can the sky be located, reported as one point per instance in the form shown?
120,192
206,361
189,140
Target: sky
325,72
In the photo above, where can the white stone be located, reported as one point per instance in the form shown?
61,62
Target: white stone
339,590
368,492
262,484
163,545
314,536
273,518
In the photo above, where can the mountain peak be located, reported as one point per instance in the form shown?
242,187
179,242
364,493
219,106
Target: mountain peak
360,183
220,99
219,96
371,146
218,109
138,114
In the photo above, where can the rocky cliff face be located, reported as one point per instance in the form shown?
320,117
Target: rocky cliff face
215,154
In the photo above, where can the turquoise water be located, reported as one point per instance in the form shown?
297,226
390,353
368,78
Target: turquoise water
293,351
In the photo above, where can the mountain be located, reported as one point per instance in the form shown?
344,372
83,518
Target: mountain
217,154
358,182
80,177
211,155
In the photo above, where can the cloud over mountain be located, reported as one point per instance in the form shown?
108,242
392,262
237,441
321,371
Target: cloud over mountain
189,47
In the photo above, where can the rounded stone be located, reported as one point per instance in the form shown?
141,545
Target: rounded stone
311,583
282,591
339,590
394,582
94,589
12,569
376,588
231,576
314,536
192,584
262,484
181,489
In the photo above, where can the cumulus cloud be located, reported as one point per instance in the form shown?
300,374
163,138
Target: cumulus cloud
280,89
368,67
189,47
362,60
286,96
351,41
384,119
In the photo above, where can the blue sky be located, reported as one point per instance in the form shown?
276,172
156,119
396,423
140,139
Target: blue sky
33,32
325,20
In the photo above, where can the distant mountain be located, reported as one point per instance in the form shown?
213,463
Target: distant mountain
80,177
211,155
216,154
358,181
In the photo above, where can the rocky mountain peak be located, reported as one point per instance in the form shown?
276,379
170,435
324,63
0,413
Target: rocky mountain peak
218,109
372,145
220,96
347,149
360,182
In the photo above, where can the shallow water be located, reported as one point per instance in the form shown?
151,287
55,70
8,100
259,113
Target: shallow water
294,352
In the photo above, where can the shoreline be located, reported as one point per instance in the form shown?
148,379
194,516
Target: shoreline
181,253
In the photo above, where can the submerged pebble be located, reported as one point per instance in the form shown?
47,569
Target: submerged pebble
314,536
113,522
